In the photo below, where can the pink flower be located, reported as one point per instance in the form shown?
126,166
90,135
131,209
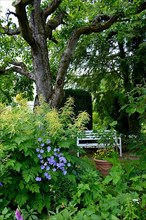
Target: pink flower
18,215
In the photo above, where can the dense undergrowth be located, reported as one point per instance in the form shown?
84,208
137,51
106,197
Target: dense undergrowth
41,174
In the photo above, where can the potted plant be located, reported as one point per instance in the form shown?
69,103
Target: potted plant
103,158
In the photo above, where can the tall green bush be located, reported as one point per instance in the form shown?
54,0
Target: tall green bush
82,102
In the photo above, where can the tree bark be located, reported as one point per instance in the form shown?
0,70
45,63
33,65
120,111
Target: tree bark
40,59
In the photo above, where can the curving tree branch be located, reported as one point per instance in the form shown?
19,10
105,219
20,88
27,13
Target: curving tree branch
23,20
52,24
67,55
18,67
52,7
23,2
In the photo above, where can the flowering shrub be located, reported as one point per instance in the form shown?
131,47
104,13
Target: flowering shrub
38,155
51,160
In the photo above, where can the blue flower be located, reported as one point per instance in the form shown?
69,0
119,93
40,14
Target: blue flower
60,165
42,145
51,160
37,149
47,168
38,178
69,164
41,151
55,154
60,155
64,172
48,148
54,169
40,156
42,167
62,159
1,184
39,139
48,141
47,176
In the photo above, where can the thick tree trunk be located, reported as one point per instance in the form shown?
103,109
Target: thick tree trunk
41,68
42,74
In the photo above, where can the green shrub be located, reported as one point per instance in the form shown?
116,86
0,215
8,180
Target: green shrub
38,155
117,196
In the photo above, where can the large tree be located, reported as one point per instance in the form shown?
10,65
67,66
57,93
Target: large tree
38,20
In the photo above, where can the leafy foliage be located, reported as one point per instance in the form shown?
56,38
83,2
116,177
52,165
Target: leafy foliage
14,47
111,64
117,196
20,165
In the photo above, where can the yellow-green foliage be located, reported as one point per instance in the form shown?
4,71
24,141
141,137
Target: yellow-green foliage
16,119
105,153
53,121
21,128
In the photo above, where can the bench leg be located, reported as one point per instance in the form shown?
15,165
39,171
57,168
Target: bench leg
120,151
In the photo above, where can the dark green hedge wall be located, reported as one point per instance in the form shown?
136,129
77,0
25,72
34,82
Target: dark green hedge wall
83,102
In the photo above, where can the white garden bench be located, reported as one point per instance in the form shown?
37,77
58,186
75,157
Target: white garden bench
102,139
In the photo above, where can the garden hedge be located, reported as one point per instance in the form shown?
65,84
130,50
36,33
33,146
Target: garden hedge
82,102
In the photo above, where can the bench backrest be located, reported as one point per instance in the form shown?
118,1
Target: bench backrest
101,139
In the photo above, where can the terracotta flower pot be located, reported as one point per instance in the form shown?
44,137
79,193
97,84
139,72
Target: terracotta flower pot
103,166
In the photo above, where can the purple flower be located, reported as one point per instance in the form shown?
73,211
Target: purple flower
38,178
62,159
64,172
48,148
42,145
18,215
60,155
1,184
54,169
41,151
42,167
41,161
40,156
39,139
48,141
51,160
60,165
47,168
37,149
47,176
